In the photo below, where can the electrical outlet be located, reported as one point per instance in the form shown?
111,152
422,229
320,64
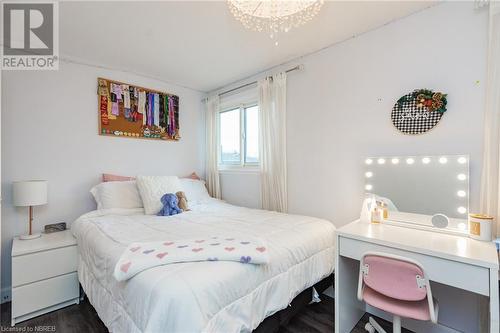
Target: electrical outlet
6,295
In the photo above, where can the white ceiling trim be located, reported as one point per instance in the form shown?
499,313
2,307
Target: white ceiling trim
79,61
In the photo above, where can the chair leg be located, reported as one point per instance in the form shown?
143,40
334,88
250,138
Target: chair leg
372,326
396,324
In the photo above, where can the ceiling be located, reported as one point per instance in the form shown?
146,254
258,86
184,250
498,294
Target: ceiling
199,44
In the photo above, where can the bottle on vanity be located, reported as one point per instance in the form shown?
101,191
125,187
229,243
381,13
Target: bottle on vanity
385,211
376,215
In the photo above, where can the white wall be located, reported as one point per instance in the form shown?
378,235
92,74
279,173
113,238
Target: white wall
1,279
339,106
241,188
49,131
338,112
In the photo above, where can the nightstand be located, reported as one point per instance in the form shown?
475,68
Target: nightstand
44,276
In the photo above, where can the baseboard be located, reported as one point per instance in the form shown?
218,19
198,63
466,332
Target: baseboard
5,294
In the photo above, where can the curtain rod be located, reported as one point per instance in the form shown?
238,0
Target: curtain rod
253,82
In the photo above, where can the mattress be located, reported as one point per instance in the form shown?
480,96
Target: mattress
200,296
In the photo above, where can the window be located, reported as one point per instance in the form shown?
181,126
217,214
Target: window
251,135
239,136
230,133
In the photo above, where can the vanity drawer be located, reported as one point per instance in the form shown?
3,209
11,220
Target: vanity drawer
35,296
449,272
42,265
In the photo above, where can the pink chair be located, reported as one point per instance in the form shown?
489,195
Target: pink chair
396,285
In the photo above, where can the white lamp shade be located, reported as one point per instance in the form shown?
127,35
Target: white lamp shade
30,193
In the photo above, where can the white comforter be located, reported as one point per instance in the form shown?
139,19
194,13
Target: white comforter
202,296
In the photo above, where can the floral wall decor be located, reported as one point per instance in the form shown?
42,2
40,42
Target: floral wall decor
418,111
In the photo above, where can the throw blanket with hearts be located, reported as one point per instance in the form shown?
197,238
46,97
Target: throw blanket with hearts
141,256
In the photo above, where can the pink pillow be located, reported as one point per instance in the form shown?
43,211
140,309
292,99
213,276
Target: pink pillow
107,177
193,176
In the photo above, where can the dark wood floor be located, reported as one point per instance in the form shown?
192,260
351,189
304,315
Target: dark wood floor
318,318
315,318
74,318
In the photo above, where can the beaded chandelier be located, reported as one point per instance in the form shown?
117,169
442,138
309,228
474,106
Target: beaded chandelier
274,16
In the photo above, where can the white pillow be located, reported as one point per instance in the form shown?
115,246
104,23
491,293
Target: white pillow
195,190
152,188
117,195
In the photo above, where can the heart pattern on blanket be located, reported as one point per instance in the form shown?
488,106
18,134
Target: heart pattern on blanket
245,260
137,257
161,255
124,268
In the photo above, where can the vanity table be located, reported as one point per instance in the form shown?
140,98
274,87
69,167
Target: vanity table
450,260
423,202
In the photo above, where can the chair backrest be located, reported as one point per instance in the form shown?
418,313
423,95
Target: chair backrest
394,277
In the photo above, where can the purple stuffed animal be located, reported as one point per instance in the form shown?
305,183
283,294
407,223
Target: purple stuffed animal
170,205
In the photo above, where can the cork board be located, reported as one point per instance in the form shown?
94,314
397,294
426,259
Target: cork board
131,111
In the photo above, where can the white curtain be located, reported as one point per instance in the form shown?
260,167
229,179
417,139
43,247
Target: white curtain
212,172
490,178
272,142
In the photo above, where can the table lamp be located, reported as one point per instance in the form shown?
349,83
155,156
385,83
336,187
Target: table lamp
28,194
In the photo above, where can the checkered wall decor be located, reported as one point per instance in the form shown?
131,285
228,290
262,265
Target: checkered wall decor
410,116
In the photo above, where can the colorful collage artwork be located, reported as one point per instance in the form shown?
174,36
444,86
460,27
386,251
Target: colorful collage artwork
131,111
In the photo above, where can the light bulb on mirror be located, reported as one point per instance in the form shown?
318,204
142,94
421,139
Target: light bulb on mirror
461,176
395,161
461,193
462,160
368,187
368,161
443,160
381,161
462,210
426,160
410,161
368,174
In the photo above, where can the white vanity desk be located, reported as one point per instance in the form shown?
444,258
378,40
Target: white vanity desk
451,260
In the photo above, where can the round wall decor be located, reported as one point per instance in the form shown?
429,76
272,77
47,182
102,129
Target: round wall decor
419,111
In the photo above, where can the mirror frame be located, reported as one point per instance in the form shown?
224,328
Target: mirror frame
422,221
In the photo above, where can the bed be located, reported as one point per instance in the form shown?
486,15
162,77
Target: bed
200,296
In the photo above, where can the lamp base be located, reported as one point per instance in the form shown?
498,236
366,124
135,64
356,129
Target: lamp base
28,237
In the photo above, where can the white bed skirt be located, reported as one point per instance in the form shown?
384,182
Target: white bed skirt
243,315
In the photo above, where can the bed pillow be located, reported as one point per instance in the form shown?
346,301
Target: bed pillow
117,194
195,190
193,175
152,188
108,177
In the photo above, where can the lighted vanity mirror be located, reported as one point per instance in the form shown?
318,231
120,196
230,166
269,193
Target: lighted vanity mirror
415,188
